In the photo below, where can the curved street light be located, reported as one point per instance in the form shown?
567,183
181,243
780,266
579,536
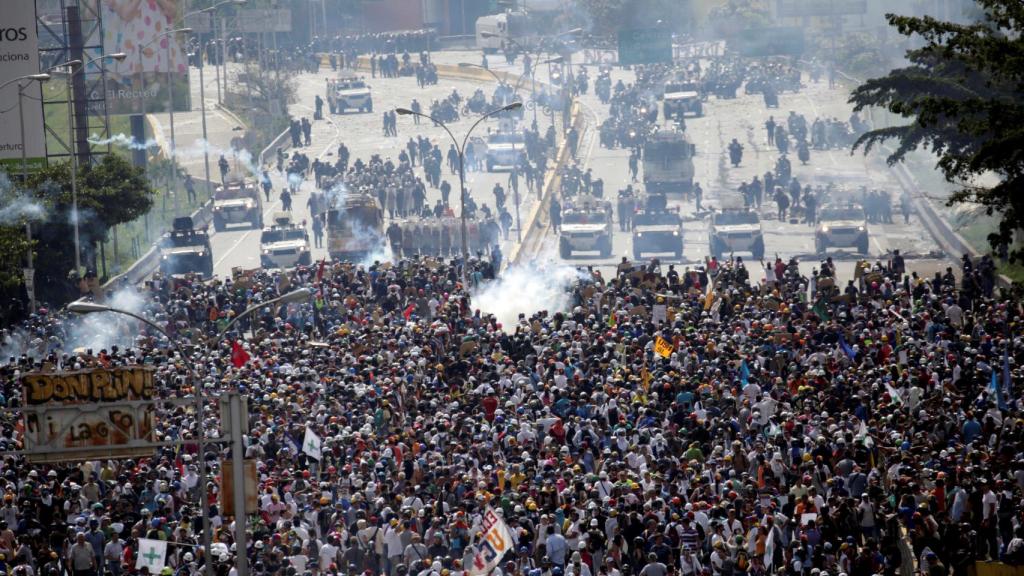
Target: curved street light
24,167
83,307
461,149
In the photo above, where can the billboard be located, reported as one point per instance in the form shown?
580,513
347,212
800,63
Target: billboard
19,56
141,29
89,414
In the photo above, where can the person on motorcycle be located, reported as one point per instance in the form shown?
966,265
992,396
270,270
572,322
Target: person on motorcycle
735,152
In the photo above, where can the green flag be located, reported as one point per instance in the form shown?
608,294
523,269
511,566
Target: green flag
821,310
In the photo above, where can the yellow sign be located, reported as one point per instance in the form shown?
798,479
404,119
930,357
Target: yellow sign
99,385
89,414
662,347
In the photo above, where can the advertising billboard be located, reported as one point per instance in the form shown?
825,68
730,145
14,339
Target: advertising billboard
86,414
142,30
19,56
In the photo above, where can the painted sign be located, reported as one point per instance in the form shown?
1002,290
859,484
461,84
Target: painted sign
497,539
89,414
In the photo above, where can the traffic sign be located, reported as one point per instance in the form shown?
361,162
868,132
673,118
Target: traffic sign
645,46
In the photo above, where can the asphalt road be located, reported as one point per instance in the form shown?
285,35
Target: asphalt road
742,118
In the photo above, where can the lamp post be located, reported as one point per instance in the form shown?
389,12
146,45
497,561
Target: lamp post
202,86
242,565
75,66
170,106
461,149
22,82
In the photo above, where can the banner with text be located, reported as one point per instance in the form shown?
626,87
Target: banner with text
497,539
89,414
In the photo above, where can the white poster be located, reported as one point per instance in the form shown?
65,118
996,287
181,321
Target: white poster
19,56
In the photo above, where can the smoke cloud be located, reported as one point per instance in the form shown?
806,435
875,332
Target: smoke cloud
540,284
15,207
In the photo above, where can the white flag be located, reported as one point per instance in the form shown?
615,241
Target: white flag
151,555
497,539
769,549
311,445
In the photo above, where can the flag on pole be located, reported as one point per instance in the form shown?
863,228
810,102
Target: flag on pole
744,372
846,348
662,347
291,443
408,311
320,271
821,311
239,357
894,394
151,555
1007,382
497,539
612,321
311,445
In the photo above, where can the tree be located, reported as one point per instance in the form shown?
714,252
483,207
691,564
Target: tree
110,192
735,16
962,93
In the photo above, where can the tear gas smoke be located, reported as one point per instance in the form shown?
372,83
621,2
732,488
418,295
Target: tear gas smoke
540,284
96,331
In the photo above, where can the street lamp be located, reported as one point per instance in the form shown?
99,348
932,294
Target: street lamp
75,66
170,104
22,82
202,86
242,566
462,169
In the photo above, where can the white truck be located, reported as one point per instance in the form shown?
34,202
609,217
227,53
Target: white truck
840,227
505,149
285,244
237,201
736,231
348,94
586,227
682,98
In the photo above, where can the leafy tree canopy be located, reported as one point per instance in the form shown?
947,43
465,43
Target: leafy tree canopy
963,93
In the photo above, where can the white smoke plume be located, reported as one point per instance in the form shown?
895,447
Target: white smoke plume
528,287
90,331
15,207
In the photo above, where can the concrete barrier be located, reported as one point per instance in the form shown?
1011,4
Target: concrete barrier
538,221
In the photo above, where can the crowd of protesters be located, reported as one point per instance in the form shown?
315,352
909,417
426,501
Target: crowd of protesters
875,430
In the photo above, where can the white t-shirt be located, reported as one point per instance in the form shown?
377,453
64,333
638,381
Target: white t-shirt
989,501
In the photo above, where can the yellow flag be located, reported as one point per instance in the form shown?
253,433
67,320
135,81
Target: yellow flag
709,298
662,347
645,378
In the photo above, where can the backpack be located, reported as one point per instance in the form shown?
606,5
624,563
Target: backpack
742,562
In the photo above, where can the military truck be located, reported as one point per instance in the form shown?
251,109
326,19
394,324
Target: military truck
682,98
355,228
657,229
348,94
505,149
186,250
237,201
668,162
840,227
736,231
284,244
586,226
